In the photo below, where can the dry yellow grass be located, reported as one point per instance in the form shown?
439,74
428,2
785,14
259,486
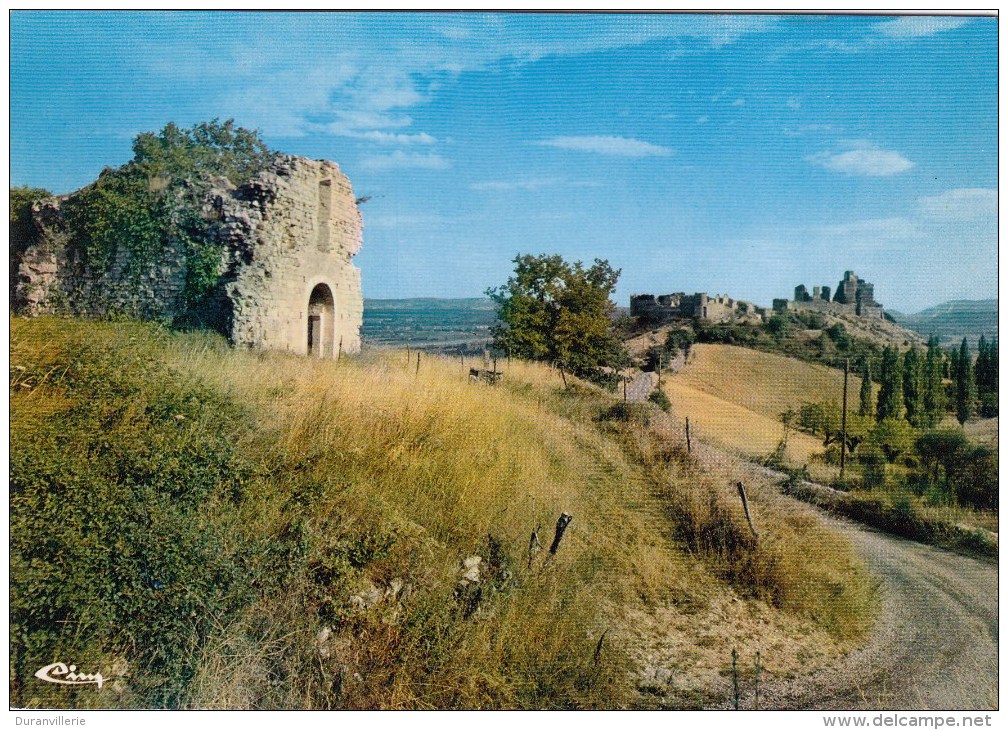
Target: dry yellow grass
372,475
762,382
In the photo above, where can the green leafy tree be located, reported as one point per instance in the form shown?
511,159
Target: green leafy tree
894,437
153,201
560,312
867,406
913,387
890,396
965,384
934,393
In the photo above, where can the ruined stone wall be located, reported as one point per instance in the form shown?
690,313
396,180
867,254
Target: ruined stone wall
294,228
291,230
52,278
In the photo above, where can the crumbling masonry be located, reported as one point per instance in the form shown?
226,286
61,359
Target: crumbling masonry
853,296
286,240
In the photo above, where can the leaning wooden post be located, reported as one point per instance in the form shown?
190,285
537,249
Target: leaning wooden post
745,507
689,447
561,528
408,356
624,388
843,421
418,362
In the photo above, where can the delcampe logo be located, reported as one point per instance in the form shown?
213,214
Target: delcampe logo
60,673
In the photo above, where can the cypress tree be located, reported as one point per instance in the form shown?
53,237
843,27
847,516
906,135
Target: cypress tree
913,387
890,397
965,384
980,367
867,402
934,394
985,369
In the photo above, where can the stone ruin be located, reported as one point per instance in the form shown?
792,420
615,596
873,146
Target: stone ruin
667,307
853,296
286,238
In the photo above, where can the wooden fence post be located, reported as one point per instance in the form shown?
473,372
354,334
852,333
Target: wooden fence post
734,676
745,507
561,528
418,362
689,447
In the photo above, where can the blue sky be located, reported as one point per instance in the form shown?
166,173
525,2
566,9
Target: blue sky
728,153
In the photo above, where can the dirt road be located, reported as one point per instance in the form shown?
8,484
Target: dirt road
934,647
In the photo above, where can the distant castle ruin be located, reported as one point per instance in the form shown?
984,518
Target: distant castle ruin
285,277
853,296
680,305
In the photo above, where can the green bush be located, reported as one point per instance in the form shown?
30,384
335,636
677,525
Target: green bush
113,551
661,400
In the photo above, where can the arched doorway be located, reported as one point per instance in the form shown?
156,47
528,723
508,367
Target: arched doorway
321,320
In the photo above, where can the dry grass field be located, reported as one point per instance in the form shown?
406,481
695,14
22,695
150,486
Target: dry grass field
762,382
734,397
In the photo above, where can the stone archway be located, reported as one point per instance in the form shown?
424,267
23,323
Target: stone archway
321,321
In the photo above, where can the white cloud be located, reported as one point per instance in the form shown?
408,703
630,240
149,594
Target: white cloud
608,145
738,102
394,138
865,159
702,119
794,102
961,204
399,160
918,26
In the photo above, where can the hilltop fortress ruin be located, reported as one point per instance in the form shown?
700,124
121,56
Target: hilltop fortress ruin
680,305
281,257
853,296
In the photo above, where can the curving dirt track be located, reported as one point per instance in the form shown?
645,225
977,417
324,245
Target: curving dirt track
934,647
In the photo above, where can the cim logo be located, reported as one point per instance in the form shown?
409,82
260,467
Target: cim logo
60,673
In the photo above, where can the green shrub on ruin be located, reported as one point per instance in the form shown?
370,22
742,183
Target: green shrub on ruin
153,200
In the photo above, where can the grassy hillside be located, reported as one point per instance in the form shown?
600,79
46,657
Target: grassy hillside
734,397
179,509
764,383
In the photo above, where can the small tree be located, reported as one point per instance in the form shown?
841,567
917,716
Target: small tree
890,397
965,384
561,313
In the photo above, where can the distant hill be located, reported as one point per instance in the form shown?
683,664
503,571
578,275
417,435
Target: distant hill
954,320
428,323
